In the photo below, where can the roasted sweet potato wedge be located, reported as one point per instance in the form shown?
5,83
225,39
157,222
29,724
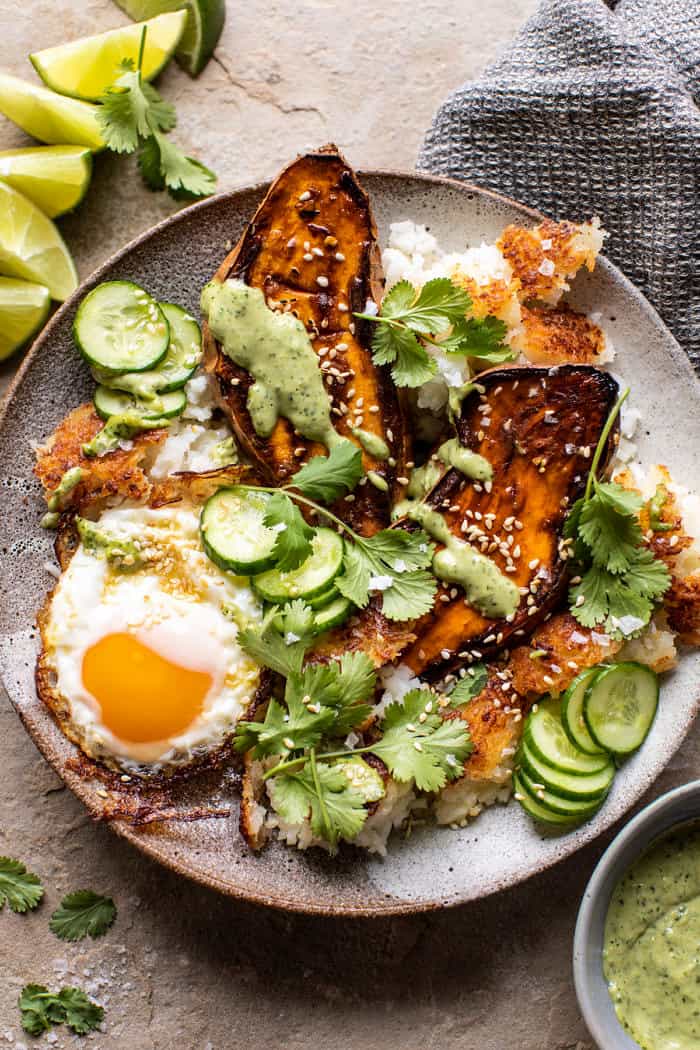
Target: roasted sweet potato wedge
538,428
312,250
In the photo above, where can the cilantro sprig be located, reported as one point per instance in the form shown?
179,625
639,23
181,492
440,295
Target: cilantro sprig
620,580
322,703
81,914
410,318
20,888
40,1009
470,686
393,561
133,114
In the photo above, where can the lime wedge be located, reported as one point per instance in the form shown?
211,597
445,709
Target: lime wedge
23,309
86,68
31,247
47,116
203,29
56,178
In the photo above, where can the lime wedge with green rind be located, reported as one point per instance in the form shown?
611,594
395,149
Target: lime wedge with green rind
24,307
202,32
85,68
47,116
55,178
31,247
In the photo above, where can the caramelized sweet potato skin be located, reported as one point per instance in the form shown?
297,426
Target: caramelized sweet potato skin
312,250
538,428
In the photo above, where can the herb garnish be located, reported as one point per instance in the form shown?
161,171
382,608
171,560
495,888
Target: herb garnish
410,318
132,114
20,888
325,702
41,1009
470,686
82,913
394,561
620,577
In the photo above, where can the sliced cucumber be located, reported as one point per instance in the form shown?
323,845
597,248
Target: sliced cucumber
313,576
120,328
548,741
619,707
332,614
591,786
564,807
535,808
233,533
115,403
572,712
324,598
178,365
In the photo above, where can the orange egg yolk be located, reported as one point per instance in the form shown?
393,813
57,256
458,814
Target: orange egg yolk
143,697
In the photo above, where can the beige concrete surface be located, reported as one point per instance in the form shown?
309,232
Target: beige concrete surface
183,967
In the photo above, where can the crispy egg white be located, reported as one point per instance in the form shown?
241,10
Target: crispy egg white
148,668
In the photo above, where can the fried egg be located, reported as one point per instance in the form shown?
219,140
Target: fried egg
142,665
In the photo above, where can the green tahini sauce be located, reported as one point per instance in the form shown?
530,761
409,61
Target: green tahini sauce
372,443
651,956
275,348
485,586
464,460
424,478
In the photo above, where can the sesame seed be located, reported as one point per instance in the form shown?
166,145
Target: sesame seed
308,256
417,744
322,281
305,196
340,257
317,251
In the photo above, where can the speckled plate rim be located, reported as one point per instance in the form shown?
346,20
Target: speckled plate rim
381,907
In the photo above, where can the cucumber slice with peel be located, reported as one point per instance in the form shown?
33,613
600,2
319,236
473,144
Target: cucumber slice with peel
548,741
332,614
324,598
313,576
572,713
590,786
179,364
232,531
536,809
564,807
619,707
116,403
120,328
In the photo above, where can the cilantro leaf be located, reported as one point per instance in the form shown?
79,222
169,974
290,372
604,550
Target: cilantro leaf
83,913
481,338
431,752
648,575
439,304
294,536
269,648
33,1003
470,686
402,555
344,686
132,109
411,363
82,1015
615,602
185,177
327,478
609,527
284,729
323,794
40,1009
20,888
296,617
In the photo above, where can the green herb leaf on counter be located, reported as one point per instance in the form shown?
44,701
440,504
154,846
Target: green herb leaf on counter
20,888
430,752
40,1009
132,114
620,579
81,914
327,478
470,686
294,536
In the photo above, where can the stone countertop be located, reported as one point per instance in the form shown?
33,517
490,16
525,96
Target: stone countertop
182,966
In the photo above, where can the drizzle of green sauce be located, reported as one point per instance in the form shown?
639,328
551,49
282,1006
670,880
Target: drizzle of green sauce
651,956
372,443
117,429
275,348
377,480
485,586
72,477
464,460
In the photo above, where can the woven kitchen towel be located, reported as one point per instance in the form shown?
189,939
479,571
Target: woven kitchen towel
594,110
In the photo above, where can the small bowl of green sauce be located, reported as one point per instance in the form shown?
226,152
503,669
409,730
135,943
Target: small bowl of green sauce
637,940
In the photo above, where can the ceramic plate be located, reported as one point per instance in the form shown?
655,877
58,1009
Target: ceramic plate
434,867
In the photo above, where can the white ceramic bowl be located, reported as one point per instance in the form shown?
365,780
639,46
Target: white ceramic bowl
671,810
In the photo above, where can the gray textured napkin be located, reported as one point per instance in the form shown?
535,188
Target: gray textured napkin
594,110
